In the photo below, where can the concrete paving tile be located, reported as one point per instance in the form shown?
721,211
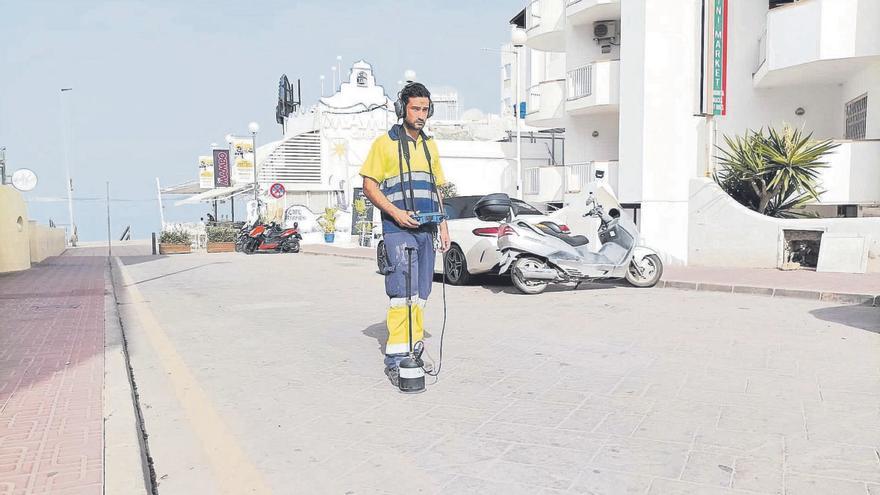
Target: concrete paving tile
740,443
541,455
406,441
544,475
717,380
465,485
600,481
797,484
708,468
670,487
648,386
585,419
558,394
850,382
619,424
585,442
461,454
873,489
535,413
632,405
653,428
759,474
596,383
832,460
761,420
646,457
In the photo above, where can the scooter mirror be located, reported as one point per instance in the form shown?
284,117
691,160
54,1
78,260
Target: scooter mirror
295,225
614,213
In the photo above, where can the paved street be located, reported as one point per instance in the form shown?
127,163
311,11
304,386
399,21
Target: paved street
263,374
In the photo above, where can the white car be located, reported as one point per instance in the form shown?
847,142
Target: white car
474,242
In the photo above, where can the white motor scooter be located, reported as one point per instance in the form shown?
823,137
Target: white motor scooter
540,254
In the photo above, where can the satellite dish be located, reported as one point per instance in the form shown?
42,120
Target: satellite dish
24,179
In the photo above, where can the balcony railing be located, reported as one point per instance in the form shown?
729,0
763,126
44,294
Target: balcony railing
579,174
531,180
579,82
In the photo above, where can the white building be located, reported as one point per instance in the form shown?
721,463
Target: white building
323,148
623,78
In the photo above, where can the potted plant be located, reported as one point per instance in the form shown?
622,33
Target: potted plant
221,239
363,226
176,241
327,221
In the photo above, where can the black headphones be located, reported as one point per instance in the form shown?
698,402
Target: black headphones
400,105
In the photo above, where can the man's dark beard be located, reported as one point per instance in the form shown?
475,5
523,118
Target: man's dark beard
410,126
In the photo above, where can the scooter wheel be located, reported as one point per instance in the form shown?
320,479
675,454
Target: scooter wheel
249,247
291,246
527,286
651,271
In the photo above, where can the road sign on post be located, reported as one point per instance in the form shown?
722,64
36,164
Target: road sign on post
277,190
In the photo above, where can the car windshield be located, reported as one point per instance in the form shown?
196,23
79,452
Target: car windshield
463,207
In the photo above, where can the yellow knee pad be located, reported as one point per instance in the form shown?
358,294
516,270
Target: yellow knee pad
398,328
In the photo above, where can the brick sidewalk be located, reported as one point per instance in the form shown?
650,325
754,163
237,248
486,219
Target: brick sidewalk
51,377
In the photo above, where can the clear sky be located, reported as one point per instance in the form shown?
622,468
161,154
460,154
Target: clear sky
156,82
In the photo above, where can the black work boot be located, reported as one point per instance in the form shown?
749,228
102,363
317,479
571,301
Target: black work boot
393,374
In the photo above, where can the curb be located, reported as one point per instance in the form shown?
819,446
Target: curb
814,295
338,255
126,464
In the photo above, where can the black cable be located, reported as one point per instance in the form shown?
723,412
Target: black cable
436,372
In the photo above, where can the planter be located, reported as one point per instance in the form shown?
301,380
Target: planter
329,237
174,248
221,247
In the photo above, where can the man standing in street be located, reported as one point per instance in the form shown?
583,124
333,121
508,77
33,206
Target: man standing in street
401,176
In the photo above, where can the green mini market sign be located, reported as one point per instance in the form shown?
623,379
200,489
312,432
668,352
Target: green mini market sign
718,60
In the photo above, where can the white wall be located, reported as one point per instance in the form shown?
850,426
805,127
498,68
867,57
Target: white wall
667,129
632,97
814,30
581,49
866,81
724,233
750,108
581,146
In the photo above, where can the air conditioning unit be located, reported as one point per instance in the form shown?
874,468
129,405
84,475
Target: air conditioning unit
605,30
605,34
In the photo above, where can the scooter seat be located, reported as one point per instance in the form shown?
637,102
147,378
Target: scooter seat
571,240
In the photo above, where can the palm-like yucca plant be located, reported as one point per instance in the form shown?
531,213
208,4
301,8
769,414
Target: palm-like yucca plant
773,174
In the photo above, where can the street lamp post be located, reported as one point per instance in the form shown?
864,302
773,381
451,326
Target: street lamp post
254,128
64,132
518,36
322,85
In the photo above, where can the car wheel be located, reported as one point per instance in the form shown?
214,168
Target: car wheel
455,265
382,258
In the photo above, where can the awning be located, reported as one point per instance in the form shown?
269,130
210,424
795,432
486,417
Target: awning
188,188
216,194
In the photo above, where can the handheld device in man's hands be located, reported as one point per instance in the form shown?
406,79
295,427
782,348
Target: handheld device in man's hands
429,217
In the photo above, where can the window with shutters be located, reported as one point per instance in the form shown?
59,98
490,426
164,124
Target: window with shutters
856,117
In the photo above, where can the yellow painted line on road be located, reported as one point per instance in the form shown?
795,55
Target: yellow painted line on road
234,472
